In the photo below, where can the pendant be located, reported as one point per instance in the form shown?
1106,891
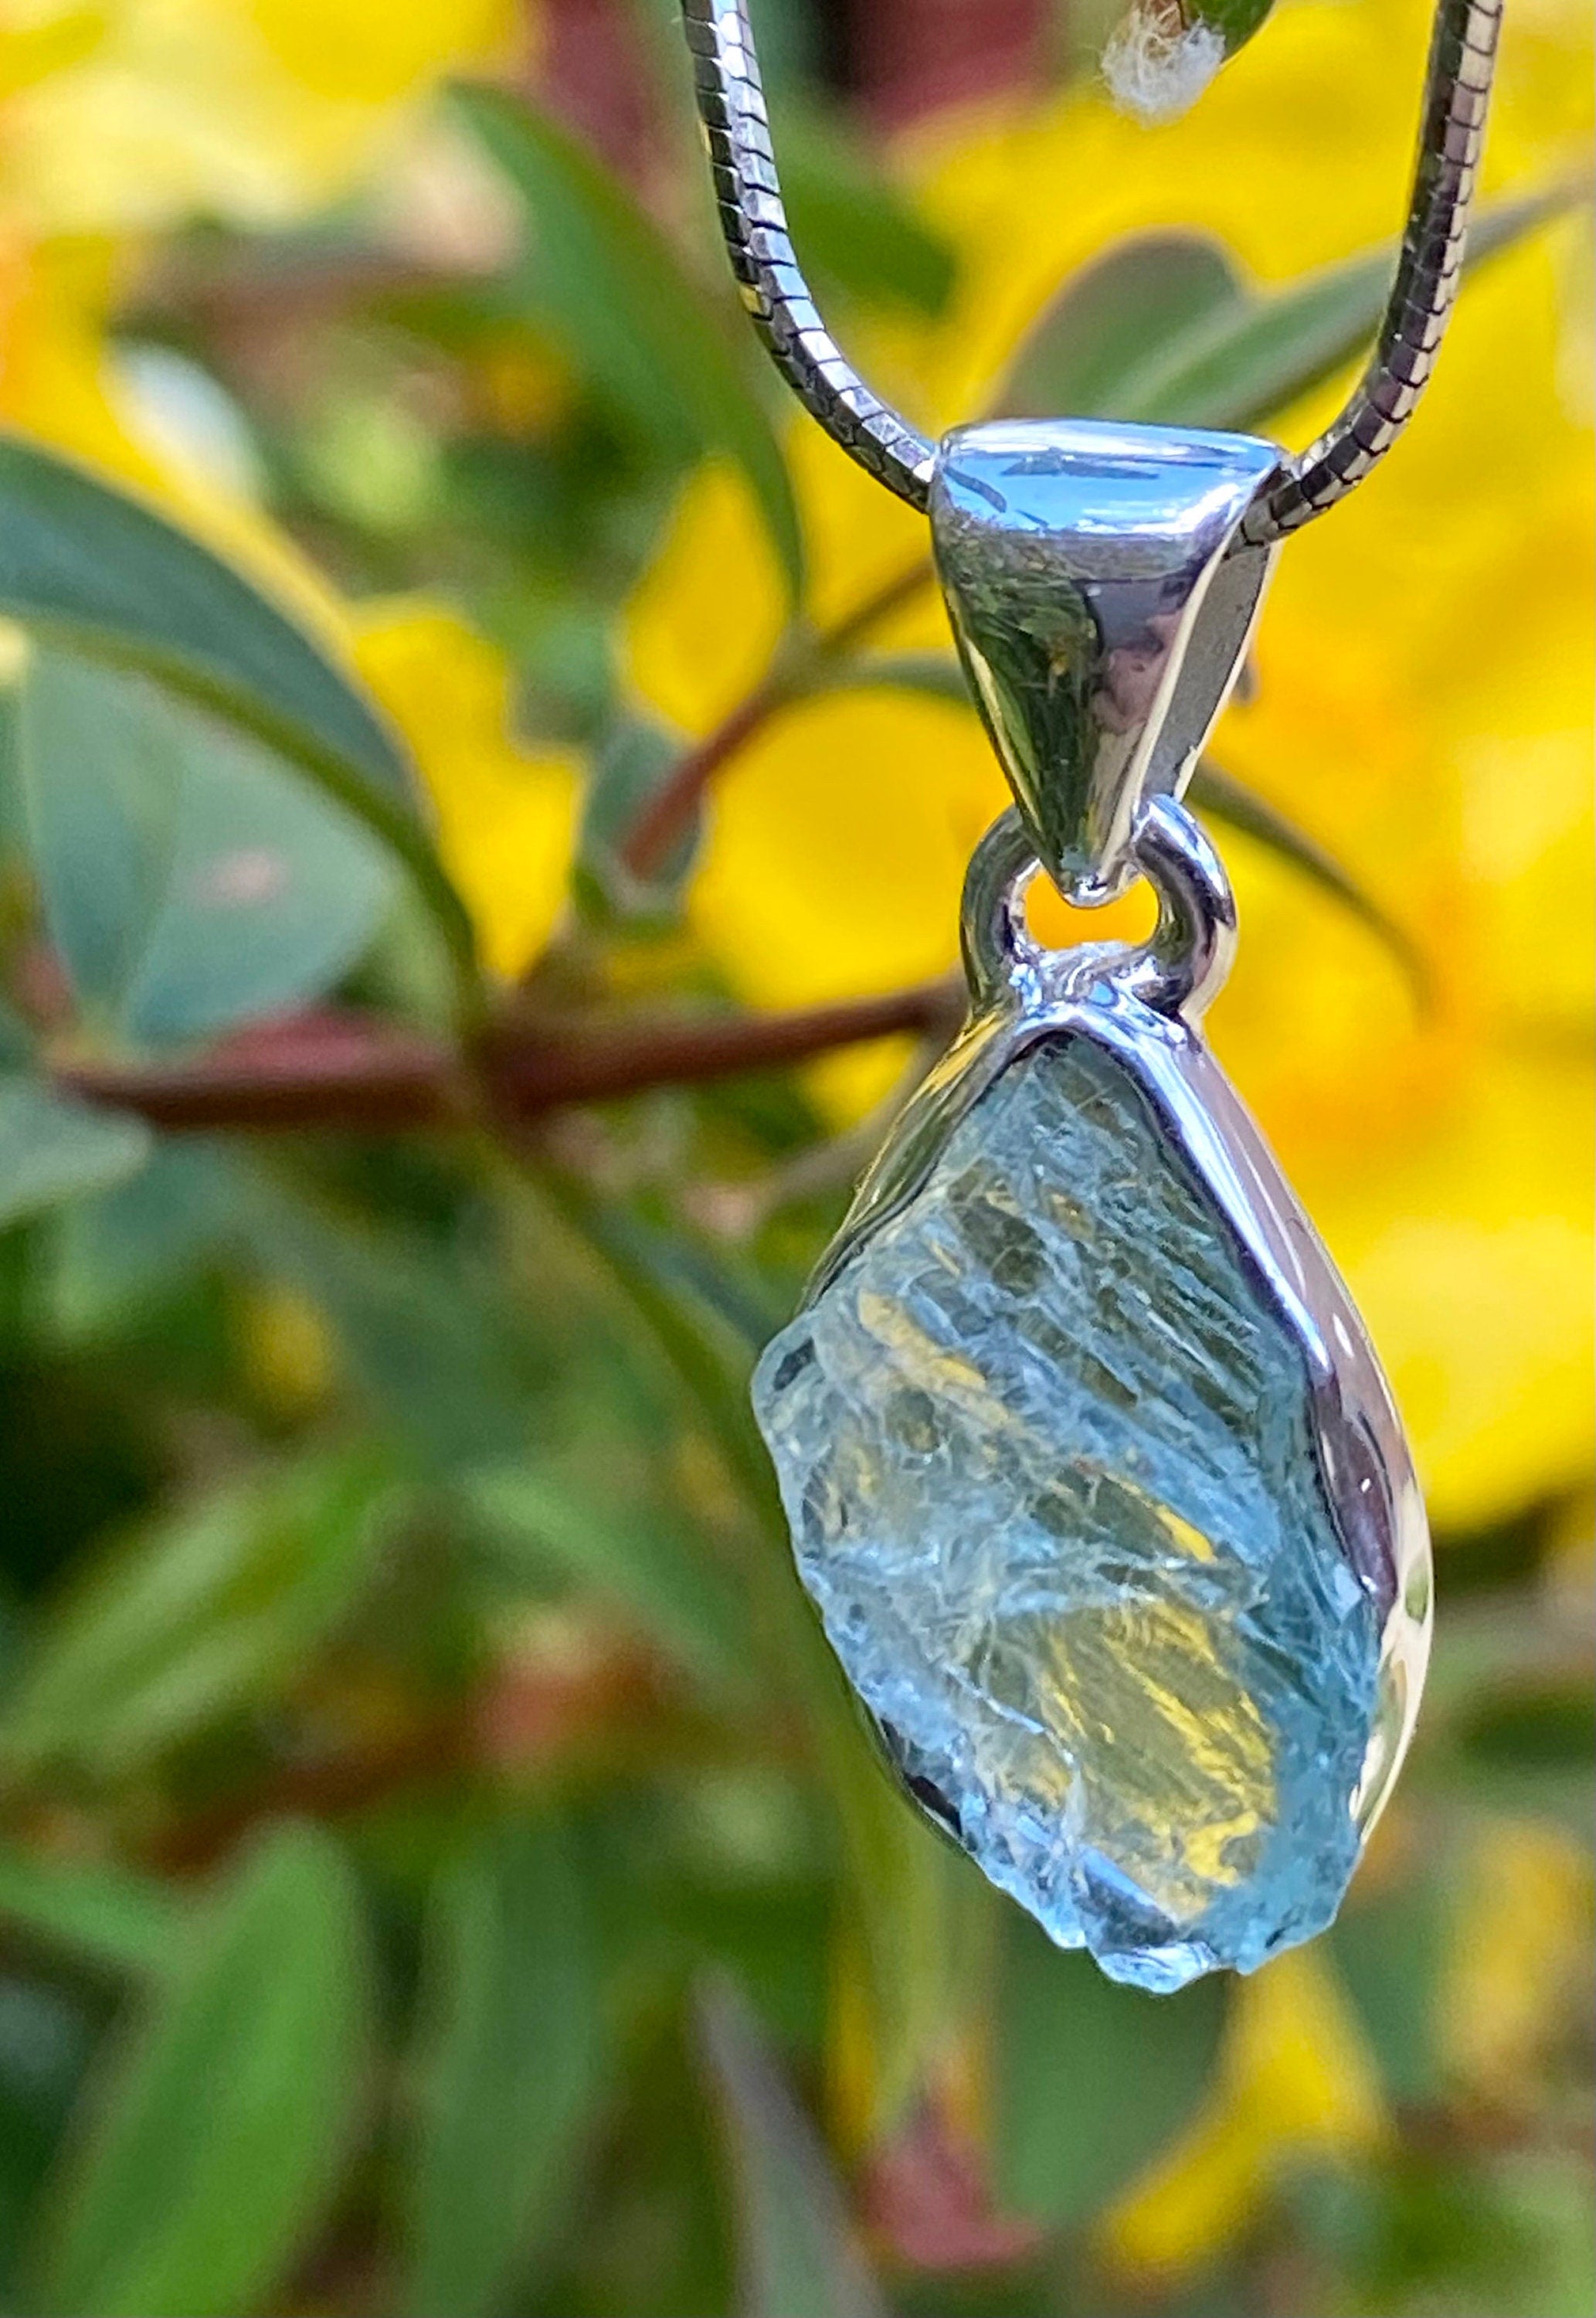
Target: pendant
1091,1469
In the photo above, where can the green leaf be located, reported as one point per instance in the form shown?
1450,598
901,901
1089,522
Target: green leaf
118,1254
1240,363
47,2040
216,2145
18,1046
711,1360
79,558
936,675
14,660
660,1573
1390,1951
198,1616
1547,1725
1108,319
1092,2078
509,2072
799,2254
88,567
431,1336
856,232
602,275
1234,21
632,759
191,880
53,1148
1162,329
917,1907
107,1917
1542,2212
911,1895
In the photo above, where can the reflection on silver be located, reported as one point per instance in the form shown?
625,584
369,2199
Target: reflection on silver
1144,1004
1102,602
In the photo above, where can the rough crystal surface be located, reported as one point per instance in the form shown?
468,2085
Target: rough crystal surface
1048,1453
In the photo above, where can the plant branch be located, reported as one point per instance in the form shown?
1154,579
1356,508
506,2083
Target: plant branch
668,812
344,1073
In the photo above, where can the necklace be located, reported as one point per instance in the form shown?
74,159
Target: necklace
1091,1468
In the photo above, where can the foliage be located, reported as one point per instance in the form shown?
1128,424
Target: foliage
482,799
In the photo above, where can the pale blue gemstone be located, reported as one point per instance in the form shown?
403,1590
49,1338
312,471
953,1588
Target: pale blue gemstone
1047,1453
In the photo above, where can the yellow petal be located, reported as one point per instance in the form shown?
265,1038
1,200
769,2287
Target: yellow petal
507,814
838,845
1519,1958
251,109
373,52
53,378
288,1353
61,38
700,629
57,386
859,539
1296,2077
1448,1164
833,860
1471,1256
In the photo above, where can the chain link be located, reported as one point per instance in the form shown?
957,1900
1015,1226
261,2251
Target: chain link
731,102
1456,92
737,126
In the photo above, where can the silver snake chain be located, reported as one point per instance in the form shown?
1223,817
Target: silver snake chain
1458,87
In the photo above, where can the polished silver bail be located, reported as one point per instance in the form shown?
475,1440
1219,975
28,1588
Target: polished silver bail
1102,603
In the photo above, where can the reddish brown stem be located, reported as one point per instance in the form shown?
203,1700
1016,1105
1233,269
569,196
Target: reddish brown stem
668,812
348,1074
364,1077
891,595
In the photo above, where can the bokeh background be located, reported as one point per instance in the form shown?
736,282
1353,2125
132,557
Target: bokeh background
458,950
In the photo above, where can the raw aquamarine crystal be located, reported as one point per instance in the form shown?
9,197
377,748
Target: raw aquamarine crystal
1047,1450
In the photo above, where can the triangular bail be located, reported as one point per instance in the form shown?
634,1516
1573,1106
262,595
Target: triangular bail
1102,603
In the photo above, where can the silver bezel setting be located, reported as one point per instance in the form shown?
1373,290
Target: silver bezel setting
1143,1005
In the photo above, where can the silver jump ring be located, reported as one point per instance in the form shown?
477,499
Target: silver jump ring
1178,969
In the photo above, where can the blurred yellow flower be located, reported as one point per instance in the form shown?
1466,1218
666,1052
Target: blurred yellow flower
58,385
131,115
1299,153
691,656
1424,711
700,628
288,1353
120,118
1520,1958
507,815
256,109
54,382
1296,2079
